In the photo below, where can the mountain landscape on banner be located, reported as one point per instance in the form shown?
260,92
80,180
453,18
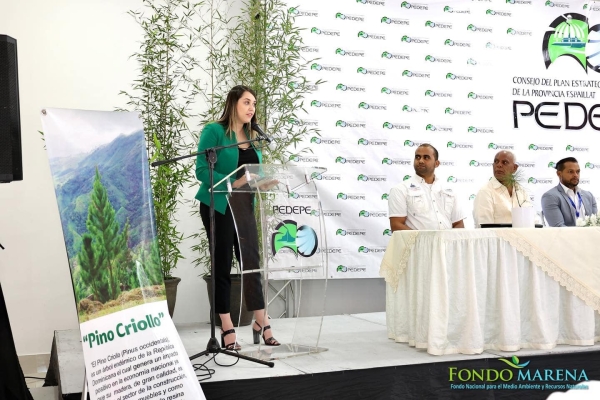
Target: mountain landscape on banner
120,165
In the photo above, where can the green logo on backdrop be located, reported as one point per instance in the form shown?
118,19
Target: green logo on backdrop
569,37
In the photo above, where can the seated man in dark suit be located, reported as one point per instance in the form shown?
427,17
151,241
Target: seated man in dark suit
565,203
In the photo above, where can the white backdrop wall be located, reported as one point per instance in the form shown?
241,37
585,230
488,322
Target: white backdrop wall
401,73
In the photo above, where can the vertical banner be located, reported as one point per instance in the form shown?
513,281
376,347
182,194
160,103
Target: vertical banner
470,77
101,178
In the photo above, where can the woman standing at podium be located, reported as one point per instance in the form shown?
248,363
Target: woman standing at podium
233,127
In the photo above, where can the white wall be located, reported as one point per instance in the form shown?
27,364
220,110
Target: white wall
75,54
72,54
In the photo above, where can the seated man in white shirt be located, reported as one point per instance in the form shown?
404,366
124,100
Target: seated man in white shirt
421,202
495,201
565,203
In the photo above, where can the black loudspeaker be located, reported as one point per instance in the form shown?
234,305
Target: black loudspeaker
11,162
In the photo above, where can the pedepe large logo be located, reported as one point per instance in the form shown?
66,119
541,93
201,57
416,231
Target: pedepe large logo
571,36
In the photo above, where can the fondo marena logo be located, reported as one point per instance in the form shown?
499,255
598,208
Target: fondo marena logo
571,36
519,375
301,240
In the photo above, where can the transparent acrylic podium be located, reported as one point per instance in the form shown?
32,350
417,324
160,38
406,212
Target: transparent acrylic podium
280,209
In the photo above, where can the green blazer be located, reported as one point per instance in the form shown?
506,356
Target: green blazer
213,135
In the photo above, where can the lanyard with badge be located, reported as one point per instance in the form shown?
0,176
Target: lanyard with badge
573,204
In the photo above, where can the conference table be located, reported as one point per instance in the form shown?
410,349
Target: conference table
466,291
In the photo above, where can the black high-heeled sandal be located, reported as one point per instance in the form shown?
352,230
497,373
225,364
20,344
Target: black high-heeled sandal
231,346
256,335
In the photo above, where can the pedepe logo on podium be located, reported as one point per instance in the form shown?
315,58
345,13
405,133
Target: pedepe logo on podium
301,240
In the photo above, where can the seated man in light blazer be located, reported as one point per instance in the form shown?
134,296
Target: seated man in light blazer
565,203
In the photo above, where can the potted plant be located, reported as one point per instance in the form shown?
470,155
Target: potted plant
163,94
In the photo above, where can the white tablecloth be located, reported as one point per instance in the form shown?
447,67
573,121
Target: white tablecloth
465,291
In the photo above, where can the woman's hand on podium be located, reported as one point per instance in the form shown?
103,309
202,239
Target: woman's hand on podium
268,184
242,181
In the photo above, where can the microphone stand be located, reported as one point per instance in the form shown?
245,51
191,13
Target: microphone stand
213,346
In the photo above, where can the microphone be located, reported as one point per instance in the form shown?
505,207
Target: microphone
261,134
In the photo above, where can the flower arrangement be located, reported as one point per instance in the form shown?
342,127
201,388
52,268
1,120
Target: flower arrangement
589,220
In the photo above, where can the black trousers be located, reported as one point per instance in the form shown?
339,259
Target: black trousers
245,244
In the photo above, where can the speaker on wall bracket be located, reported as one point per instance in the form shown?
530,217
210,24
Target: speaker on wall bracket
11,162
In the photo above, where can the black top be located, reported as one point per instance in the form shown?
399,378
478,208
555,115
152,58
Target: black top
246,156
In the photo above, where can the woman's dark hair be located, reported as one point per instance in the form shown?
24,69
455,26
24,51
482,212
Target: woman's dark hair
230,112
